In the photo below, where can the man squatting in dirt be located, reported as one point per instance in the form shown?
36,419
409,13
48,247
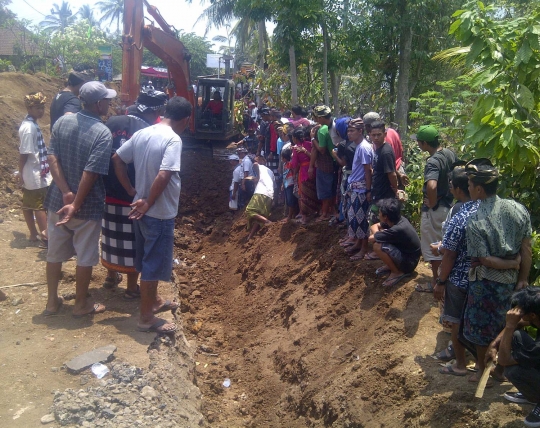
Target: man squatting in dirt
258,208
155,152
79,155
519,353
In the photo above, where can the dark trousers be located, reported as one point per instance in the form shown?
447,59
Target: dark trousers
525,379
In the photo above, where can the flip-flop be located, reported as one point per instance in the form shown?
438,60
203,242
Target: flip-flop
390,282
424,288
47,313
132,295
383,270
368,256
352,250
157,327
167,306
447,354
356,257
346,244
449,370
95,310
321,219
110,283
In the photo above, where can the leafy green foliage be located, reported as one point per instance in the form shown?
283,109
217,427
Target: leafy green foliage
4,65
504,57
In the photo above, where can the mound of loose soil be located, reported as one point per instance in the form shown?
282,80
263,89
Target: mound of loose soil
307,337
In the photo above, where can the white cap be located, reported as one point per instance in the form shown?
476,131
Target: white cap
92,92
233,157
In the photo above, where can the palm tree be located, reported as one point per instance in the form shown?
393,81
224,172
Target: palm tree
251,15
112,10
54,23
86,12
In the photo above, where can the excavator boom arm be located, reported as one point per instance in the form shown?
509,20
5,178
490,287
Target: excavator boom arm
162,44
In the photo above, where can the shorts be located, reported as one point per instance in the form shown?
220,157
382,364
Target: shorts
431,230
292,201
454,301
76,237
33,199
154,240
406,263
325,185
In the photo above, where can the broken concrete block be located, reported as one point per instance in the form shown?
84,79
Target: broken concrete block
99,355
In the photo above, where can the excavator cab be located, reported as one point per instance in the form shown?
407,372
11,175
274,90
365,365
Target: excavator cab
214,112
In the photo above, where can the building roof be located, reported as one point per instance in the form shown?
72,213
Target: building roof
10,38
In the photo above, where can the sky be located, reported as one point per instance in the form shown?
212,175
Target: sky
178,13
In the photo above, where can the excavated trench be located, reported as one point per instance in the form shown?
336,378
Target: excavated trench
306,337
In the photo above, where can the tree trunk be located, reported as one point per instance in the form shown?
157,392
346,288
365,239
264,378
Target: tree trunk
405,48
294,80
334,87
262,30
325,63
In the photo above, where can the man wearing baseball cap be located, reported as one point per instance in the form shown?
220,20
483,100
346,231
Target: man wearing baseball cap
437,196
78,157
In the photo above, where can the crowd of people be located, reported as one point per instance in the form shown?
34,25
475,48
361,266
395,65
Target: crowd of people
350,172
347,172
82,187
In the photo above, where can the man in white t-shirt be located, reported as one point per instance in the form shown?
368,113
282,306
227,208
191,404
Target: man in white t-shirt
155,152
259,206
34,174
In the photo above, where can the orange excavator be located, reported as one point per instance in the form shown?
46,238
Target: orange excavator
209,120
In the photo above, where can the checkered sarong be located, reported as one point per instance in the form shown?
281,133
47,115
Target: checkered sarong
117,239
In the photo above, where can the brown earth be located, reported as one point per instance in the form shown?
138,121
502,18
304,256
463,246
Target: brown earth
306,337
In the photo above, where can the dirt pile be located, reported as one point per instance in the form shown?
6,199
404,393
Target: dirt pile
306,337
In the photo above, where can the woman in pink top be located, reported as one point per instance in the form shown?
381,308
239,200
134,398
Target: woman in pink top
309,204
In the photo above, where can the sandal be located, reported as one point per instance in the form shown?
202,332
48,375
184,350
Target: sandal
383,270
110,283
370,256
333,221
167,306
356,257
424,288
447,354
390,282
132,294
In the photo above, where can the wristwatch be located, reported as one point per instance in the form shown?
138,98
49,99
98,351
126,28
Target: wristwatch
441,282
